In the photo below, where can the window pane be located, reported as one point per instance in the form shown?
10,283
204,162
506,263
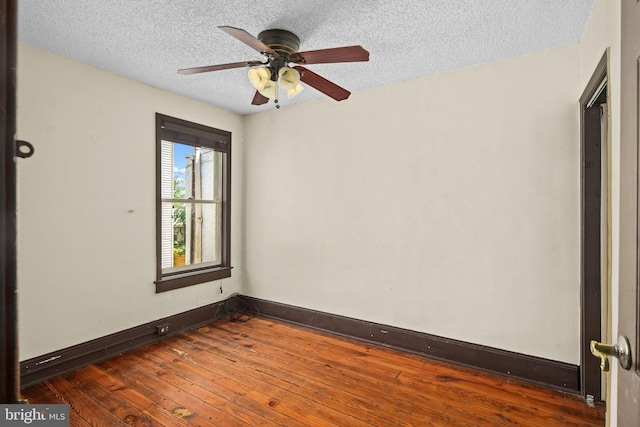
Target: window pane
195,173
183,156
193,237
210,175
211,236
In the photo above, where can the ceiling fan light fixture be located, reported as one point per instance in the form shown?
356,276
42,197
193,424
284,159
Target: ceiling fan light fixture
269,90
295,90
260,77
289,77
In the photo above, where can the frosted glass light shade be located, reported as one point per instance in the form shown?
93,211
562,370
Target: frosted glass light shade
269,89
259,77
290,80
289,77
295,90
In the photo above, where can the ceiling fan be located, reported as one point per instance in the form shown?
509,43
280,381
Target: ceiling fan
282,64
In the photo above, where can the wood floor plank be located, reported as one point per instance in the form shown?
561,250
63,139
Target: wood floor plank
270,373
165,410
373,379
507,404
544,397
405,409
418,361
120,389
175,398
82,405
330,397
264,393
246,405
303,383
41,393
498,388
122,409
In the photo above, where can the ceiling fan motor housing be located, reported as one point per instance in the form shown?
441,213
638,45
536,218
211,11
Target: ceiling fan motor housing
282,41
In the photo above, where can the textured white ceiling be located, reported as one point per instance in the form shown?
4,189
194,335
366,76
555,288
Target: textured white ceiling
149,40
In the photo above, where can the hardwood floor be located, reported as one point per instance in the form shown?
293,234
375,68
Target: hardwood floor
265,372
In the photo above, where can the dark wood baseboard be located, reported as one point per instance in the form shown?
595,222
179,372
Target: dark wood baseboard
558,375
550,373
38,369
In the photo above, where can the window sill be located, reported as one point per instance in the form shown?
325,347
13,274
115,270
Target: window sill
169,283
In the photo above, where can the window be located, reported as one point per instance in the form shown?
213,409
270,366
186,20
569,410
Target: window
193,188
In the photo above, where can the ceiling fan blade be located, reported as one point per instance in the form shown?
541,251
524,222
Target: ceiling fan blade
323,85
248,39
337,54
259,99
208,68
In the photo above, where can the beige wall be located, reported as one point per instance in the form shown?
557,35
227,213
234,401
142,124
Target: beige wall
86,265
448,205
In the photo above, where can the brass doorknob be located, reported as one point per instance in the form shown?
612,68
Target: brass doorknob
621,351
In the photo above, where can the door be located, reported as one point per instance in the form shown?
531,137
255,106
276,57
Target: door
628,413
9,380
